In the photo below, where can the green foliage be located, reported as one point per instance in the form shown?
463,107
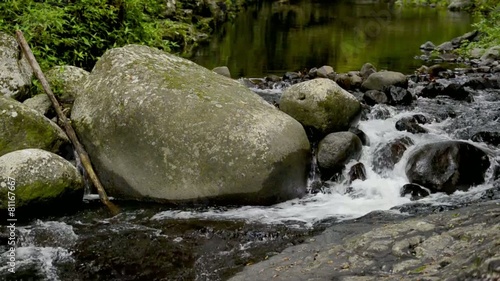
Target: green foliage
423,2
77,32
487,13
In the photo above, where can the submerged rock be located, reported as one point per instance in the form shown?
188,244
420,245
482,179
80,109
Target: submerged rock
379,80
322,105
357,172
15,71
398,96
388,154
447,166
453,90
22,127
415,191
159,127
42,180
335,150
410,124
492,138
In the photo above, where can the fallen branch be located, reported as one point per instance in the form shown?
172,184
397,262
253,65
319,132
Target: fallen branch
84,157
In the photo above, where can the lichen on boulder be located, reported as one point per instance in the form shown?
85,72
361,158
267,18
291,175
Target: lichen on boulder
39,179
159,127
15,72
22,127
321,104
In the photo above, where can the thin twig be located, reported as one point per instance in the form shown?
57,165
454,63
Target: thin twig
84,157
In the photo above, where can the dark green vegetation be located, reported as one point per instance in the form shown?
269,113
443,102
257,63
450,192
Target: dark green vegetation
77,32
488,22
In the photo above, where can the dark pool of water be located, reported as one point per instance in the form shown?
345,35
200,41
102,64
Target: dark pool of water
270,37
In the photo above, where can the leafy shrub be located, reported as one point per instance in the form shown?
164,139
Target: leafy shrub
487,13
77,32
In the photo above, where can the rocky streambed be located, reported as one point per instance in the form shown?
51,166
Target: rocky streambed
400,170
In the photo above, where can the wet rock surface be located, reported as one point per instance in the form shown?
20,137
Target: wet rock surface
434,247
447,166
387,155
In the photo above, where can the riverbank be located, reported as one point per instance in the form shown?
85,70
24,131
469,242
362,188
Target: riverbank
462,244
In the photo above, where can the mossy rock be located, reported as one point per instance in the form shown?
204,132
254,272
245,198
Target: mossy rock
39,178
15,72
322,105
22,127
159,127
67,81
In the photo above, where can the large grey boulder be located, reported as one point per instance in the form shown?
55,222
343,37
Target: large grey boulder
22,127
67,81
15,71
322,105
164,128
335,150
447,166
39,179
379,80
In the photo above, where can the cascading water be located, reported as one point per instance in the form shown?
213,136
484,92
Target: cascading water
380,191
212,243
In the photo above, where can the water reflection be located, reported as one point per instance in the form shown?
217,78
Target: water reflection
272,37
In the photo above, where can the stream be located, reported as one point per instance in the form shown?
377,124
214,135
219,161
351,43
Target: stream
273,37
158,242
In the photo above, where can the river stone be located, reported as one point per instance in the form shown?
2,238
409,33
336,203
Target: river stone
410,124
428,46
159,127
491,55
357,172
366,70
447,166
398,96
335,150
222,70
22,127
344,81
415,191
492,138
68,81
322,105
41,179
325,71
388,154
379,80
445,47
40,103
15,71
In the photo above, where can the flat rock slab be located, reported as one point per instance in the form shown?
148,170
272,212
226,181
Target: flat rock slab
460,244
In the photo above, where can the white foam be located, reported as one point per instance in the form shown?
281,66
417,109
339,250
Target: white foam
377,192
